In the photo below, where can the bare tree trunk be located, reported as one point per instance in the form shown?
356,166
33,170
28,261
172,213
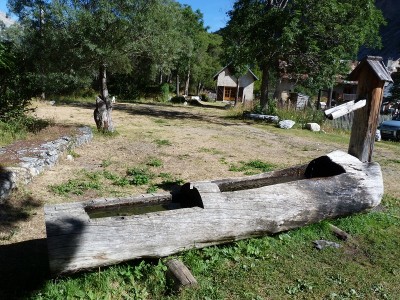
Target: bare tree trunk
177,84
264,87
330,92
187,83
318,106
237,91
102,113
198,88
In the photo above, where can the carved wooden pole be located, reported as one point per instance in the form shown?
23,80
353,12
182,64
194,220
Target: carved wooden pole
102,113
371,75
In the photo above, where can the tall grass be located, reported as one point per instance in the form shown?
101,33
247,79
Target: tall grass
300,116
17,126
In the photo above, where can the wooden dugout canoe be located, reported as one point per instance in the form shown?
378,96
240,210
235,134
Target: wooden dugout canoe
82,235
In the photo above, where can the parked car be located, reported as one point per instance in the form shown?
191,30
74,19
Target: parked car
390,130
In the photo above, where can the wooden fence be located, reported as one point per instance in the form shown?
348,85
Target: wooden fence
346,121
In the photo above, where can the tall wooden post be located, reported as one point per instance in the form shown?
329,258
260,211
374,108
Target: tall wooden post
371,75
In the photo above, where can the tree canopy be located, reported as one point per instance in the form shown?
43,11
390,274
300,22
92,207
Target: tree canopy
305,39
72,41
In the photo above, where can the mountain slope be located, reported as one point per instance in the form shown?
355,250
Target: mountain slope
390,33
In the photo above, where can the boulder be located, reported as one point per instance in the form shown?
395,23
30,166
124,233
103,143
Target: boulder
378,136
286,124
313,127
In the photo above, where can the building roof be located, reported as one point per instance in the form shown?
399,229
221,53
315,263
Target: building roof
251,72
377,66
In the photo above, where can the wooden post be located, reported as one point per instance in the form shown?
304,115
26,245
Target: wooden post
371,75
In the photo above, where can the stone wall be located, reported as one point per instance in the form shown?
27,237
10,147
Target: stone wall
41,158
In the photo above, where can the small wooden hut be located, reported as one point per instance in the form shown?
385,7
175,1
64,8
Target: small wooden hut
227,84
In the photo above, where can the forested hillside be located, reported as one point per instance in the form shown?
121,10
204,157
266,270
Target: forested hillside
390,33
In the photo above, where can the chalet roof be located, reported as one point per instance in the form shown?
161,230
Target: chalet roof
251,72
377,66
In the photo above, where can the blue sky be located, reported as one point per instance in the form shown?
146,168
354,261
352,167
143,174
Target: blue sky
3,6
214,11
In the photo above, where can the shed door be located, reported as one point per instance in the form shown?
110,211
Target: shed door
229,93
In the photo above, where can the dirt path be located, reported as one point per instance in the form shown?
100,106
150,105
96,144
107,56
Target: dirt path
190,143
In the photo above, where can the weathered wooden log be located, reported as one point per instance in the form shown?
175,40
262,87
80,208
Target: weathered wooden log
84,235
344,109
180,275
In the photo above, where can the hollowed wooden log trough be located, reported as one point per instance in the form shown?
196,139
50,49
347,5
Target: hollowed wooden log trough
107,231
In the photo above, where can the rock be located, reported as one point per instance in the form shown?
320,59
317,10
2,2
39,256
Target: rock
378,136
322,244
7,184
286,124
313,127
268,118
70,157
52,102
36,160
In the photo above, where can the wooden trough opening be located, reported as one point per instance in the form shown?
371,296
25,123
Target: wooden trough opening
125,208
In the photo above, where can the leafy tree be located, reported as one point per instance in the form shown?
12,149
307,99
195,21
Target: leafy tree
208,60
319,47
303,38
86,37
395,90
255,35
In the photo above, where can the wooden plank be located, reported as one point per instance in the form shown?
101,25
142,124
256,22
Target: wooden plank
213,212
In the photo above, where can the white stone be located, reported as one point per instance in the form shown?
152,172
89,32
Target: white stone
286,124
70,157
313,127
378,136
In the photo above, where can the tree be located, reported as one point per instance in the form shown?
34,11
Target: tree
255,35
310,36
321,47
395,90
87,37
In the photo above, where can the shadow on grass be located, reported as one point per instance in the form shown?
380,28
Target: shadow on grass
165,111
23,268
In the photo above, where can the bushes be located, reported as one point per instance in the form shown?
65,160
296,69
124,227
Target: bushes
16,125
165,92
178,99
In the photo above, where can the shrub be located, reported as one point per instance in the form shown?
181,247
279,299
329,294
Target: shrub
178,99
204,97
165,92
